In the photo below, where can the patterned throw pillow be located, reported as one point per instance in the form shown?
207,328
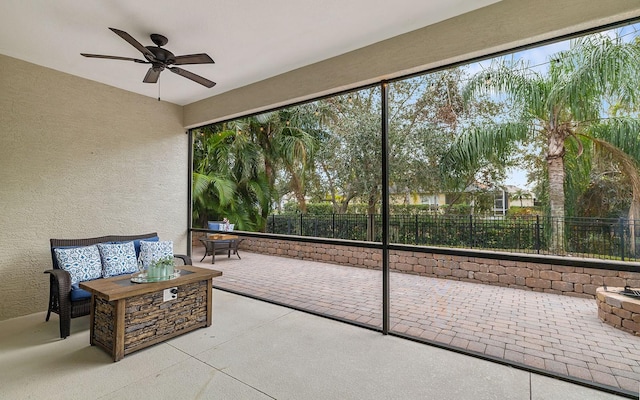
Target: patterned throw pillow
151,252
82,263
118,258
136,243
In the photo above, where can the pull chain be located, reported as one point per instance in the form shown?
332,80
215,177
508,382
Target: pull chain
158,89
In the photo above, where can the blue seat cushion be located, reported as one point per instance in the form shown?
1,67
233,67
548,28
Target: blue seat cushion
78,294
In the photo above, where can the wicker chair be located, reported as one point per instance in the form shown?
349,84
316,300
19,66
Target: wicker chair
60,281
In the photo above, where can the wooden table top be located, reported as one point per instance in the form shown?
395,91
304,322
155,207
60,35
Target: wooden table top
220,236
120,287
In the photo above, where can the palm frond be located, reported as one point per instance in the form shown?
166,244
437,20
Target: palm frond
223,187
628,165
621,132
478,146
595,66
511,79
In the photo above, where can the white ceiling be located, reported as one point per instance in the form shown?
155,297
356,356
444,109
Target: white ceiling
250,40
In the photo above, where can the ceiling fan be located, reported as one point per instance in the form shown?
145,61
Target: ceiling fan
160,59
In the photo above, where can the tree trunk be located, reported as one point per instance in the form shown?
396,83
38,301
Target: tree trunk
298,190
332,188
268,171
555,166
371,211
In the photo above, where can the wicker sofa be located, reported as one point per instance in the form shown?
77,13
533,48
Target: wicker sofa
70,302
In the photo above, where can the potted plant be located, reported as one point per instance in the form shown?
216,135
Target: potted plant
161,269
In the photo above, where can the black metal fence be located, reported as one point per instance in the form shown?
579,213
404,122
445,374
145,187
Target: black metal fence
601,238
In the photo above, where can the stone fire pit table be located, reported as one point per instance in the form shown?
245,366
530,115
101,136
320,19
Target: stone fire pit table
619,310
127,316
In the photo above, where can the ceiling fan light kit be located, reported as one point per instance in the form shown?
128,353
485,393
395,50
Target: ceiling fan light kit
160,58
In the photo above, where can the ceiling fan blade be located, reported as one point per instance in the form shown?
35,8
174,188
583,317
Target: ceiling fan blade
114,58
134,43
152,75
192,76
201,58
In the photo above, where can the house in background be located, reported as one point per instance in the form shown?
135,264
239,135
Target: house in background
509,196
479,198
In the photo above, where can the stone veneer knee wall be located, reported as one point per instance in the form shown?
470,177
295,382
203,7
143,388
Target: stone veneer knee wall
542,276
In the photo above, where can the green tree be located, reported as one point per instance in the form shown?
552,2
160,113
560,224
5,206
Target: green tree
349,156
240,165
228,178
560,105
285,145
520,194
425,112
212,191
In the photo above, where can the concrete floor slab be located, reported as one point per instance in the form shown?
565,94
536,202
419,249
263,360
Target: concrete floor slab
190,379
256,350
35,363
301,356
237,317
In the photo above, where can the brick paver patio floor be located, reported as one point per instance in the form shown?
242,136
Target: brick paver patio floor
559,334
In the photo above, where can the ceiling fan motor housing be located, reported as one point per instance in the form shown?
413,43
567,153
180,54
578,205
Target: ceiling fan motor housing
161,55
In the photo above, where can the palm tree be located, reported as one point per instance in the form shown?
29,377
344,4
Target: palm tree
237,164
519,195
563,104
285,144
211,191
228,180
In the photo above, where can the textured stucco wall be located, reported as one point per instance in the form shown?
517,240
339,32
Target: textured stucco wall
497,27
80,159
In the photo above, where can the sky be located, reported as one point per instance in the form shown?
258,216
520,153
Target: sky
518,177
